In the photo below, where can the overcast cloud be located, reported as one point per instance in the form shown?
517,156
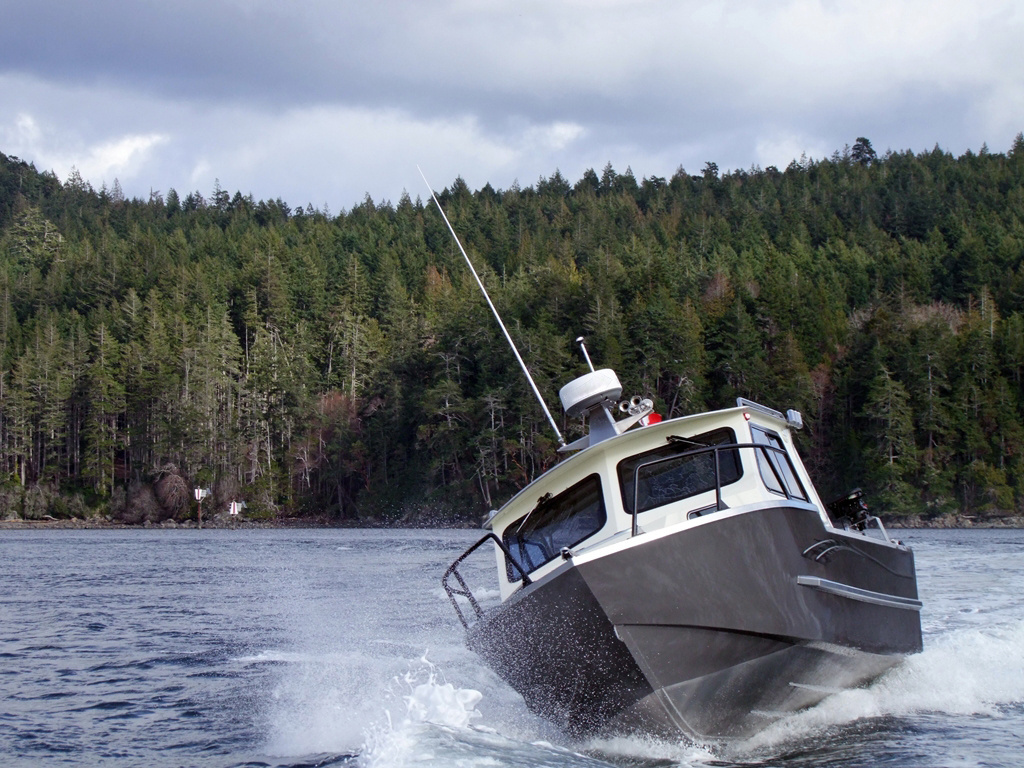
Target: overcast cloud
324,101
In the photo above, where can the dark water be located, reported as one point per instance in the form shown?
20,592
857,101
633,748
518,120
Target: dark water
296,648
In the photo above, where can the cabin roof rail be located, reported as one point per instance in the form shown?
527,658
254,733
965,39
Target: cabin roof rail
793,418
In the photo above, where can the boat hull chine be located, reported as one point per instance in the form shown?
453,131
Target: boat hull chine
747,683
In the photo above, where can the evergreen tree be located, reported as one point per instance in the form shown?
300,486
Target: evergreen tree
891,452
106,398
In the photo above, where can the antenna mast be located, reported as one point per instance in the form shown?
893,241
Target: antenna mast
529,378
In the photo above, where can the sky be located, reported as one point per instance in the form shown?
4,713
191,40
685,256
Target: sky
324,102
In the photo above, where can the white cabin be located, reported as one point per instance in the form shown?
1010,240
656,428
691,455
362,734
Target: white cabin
584,505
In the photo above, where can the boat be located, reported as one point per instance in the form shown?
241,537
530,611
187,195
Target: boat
683,575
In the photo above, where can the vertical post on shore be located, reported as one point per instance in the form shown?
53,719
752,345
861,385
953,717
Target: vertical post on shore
201,493
235,510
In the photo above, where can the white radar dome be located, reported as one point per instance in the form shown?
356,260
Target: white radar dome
590,389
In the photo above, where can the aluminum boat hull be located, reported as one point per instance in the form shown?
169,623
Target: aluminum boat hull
715,630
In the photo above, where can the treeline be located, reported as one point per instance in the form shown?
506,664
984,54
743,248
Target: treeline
346,365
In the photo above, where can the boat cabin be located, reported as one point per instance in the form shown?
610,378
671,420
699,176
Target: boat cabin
662,477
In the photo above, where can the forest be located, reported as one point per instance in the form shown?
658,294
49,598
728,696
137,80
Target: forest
344,368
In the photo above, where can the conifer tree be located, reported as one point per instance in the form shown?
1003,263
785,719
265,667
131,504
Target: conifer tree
106,400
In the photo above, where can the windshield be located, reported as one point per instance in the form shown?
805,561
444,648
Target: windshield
692,472
556,522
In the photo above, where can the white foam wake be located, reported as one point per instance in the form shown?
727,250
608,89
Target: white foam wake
427,699
965,672
324,702
435,726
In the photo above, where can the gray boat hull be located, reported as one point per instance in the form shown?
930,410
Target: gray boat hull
715,630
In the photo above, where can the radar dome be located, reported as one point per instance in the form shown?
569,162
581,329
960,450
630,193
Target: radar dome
590,389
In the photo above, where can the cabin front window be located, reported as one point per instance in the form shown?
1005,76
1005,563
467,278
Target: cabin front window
558,521
684,467
775,466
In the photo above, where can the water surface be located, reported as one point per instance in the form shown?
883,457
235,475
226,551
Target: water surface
320,647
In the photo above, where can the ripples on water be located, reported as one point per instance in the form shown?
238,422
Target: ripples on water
316,648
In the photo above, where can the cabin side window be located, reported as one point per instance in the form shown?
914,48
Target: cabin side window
560,521
775,466
683,468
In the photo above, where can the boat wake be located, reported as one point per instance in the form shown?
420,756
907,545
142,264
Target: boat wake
439,725
965,672
425,699
436,723
420,718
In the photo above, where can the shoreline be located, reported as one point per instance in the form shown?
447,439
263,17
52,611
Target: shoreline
959,522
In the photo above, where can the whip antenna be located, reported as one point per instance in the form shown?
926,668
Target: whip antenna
526,371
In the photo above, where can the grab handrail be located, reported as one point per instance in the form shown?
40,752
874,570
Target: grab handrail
464,590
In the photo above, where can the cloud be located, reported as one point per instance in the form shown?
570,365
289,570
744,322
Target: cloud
325,102
120,157
782,148
348,146
52,149
330,153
